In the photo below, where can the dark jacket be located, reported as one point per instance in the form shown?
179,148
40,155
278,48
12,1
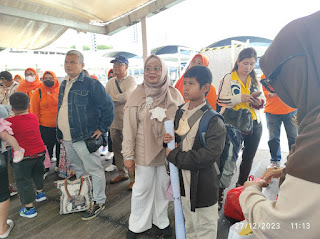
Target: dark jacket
89,107
204,183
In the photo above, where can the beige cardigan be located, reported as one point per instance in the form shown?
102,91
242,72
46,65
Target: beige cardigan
133,137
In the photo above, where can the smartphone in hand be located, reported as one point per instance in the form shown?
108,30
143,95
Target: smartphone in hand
256,94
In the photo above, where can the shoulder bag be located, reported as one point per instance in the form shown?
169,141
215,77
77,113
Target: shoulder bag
240,119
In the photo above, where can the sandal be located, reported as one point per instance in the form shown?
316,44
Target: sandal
220,198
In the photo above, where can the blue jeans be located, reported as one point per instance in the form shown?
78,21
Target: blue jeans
274,125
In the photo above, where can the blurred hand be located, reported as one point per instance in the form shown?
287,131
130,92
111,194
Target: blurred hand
255,98
260,184
96,134
167,137
130,165
256,101
272,173
246,98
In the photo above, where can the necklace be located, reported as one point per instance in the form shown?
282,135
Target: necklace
149,102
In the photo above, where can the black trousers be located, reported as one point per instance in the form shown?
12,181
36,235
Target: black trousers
49,137
25,172
251,143
4,182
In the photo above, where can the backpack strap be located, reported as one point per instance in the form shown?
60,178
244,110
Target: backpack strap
203,127
195,117
204,122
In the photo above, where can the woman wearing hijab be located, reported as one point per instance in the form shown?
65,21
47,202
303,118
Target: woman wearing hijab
110,74
44,104
292,64
30,83
153,102
199,59
18,78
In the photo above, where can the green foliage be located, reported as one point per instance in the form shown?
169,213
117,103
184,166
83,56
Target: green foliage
86,48
104,47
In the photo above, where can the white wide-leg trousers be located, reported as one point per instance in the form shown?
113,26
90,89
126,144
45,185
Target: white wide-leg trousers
148,203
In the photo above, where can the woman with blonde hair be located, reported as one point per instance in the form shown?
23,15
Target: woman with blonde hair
153,102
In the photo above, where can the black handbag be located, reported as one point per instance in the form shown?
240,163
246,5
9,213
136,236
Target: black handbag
240,119
94,144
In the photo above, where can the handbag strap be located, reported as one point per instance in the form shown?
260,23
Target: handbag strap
66,187
117,84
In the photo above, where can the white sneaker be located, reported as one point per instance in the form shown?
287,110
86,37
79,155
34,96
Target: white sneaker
53,160
110,168
109,155
274,164
18,155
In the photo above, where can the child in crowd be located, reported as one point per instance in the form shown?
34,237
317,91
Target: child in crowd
198,179
6,134
26,130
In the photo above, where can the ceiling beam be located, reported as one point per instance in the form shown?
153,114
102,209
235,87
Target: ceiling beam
19,13
134,17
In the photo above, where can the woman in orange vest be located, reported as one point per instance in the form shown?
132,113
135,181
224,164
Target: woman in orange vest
44,104
30,83
199,60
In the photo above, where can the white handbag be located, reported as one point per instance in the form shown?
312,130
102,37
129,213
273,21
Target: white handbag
75,196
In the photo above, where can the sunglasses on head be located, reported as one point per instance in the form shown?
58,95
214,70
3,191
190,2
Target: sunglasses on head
268,80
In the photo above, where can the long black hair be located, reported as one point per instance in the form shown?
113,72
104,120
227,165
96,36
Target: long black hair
248,53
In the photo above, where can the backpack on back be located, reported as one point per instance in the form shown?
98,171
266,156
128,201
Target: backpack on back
230,153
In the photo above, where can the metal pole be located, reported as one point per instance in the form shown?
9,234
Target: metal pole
144,38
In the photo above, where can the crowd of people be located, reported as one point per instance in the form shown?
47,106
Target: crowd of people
39,115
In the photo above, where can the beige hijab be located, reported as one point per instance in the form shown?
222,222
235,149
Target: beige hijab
298,85
164,96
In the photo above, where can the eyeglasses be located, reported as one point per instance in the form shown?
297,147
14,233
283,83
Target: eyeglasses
30,74
268,80
155,69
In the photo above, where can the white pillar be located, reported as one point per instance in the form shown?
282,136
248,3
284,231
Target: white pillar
144,38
